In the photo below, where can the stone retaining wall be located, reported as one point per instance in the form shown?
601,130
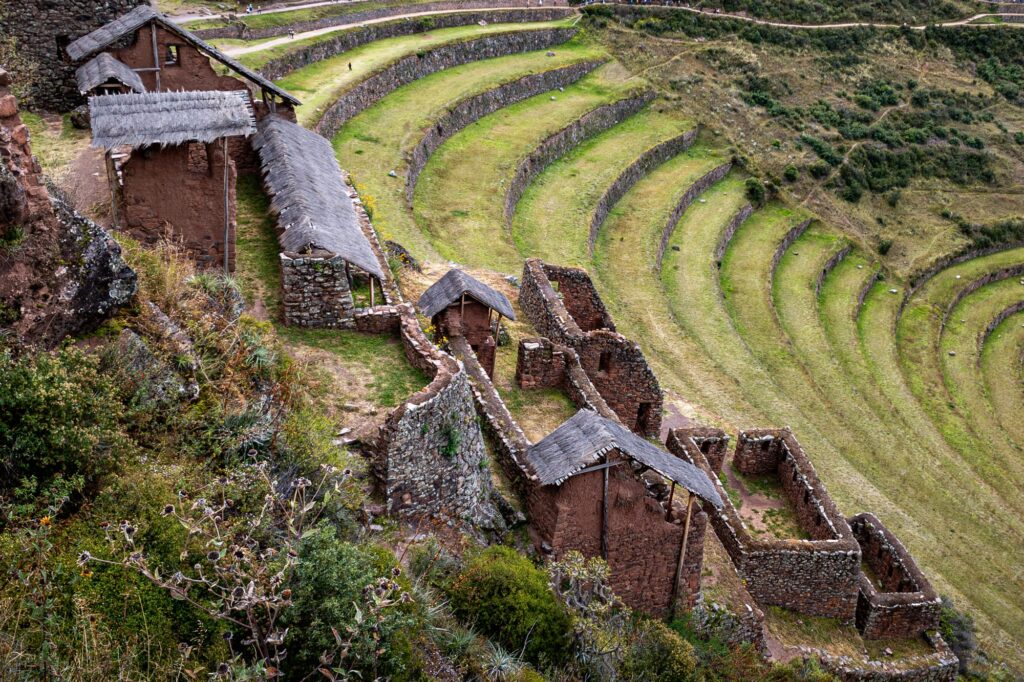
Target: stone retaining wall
996,276
411,68
902,604
730,231
784,245
866,289
940,666
920,279
650,159
996,321
817,577
691,194
559,143
315,290
431,456
542,363
829,266
472,109
576,317
239,30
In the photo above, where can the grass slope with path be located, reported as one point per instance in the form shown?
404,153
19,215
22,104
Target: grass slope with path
369,153
458,200
320,84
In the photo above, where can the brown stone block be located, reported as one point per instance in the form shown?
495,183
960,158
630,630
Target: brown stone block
8,106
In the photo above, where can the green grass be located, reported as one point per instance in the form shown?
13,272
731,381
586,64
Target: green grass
276,19
55,147
257,261
1002,372
408,113
392,378
562,199
320,84
459,197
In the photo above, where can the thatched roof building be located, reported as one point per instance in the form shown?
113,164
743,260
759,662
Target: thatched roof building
586,437
144,15
103,69
304,180
169,118
450,288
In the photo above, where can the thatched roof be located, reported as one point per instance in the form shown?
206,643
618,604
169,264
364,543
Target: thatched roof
142,15
102,69
308,194
582,441
450,288
169,118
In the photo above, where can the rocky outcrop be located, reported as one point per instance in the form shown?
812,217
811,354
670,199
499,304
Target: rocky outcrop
60,273
473,108
408,69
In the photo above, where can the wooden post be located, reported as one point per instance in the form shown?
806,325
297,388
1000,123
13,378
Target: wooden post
682,556
671,494
156,56
227,204
373,298
462,309
604,514
496,326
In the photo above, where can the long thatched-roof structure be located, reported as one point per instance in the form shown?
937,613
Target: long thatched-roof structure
103,68
169,118
586,437
450,288
307,189
143,15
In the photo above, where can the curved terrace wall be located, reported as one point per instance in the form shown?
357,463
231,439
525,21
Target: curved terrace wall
336,43
644,164
692,192
996,321
414,67
829,266
558,144
240,30
784,245
995,276
730,231
472,109
920,279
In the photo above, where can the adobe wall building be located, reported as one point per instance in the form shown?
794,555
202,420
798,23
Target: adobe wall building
575,316
43,29
589,496
461,305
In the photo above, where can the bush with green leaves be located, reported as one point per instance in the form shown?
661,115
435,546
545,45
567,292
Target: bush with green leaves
334,585
755,191
59,425
505,597
657,654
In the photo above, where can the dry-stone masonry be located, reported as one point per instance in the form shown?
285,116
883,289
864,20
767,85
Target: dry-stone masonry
408,69
896,600
472,109
315,290
43,28
691,194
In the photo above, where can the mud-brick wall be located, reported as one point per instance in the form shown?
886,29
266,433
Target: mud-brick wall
411,68
315,290
903,604
431,452
580,298
643,547
178,193
618,369
42,27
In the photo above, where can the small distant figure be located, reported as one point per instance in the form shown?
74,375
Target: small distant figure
350,66
291,35
248,9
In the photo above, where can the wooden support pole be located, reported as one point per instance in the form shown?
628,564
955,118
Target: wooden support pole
156,56
227,206
682,556
373,299
604,514
496,326
671,494
462,308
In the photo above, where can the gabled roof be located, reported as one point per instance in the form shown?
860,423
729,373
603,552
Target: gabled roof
142,15
585,437
308,194
450,288
169,118
103,68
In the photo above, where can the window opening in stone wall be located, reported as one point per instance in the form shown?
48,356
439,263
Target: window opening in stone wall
62,42
173,57
604,362
643,414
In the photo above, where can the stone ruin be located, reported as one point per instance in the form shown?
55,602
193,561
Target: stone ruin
575,316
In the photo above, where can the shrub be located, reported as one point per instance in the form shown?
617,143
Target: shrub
659,655
329,594
791,173
957,629
884,246
59,424
755,191
507,598
1018,137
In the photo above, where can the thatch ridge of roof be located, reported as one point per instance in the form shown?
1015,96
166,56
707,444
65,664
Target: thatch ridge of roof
308,194
103,68
169,118
105,36
453,285
582,440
